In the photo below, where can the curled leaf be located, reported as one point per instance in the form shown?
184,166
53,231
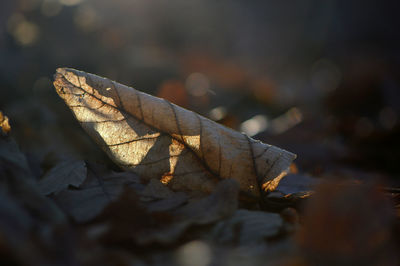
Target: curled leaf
158,139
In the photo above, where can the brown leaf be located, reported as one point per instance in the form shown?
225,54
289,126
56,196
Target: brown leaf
158,139
4,124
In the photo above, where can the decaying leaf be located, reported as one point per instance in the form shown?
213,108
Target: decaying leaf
297,183
95,193
292,189
158,139
247,227
69,172
16,178
157,197
127,221
222,203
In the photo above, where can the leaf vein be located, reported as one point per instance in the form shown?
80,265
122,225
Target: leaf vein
133,140
252,158
206,167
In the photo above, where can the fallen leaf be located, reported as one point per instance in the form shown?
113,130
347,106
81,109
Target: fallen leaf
69,172
94,194
17,179
4,124
171,203
15,221
247,227
155,190
292,189
297,183
128,221
156,197
158,139
222,203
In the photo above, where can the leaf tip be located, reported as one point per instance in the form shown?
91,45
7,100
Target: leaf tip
65,71
61,70
63,78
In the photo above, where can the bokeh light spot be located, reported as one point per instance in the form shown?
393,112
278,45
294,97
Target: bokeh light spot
254,125
24,32
70,2
197,84
217,113
194,253
50,8
286,121
85,18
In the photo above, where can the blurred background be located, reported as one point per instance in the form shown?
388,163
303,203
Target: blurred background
319,78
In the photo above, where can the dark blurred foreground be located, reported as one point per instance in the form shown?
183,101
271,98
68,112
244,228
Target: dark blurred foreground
318,78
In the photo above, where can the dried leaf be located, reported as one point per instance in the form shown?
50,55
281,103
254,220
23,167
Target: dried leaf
11,157
158,139
247,227
4,124
17,179
297,183
171,203
156,197
69,172
156,190
96,192
220,204
129,222
15,221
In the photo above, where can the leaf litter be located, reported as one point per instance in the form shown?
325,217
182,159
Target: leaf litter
132,218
